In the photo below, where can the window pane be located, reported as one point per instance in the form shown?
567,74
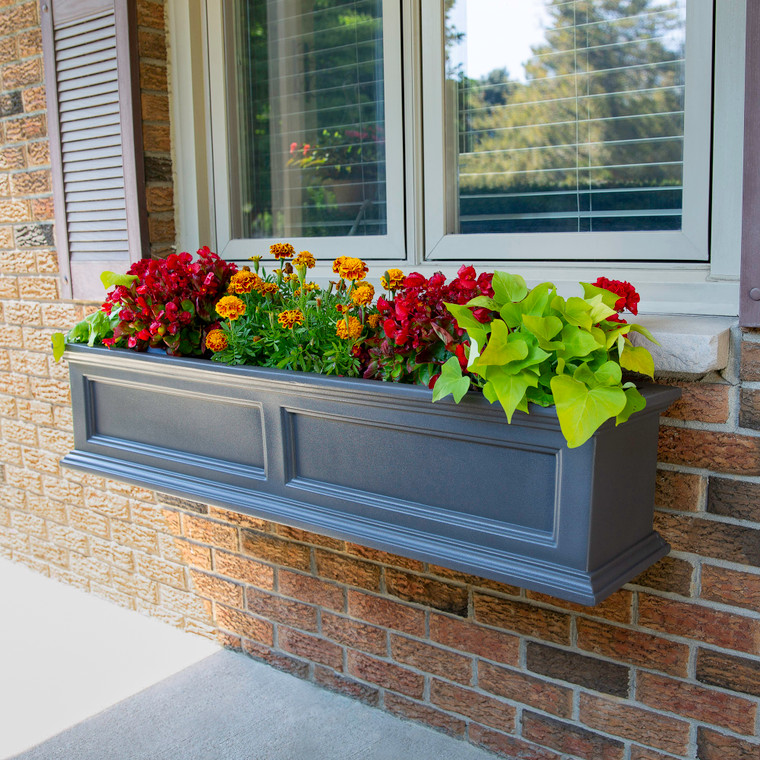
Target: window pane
306,120
569,114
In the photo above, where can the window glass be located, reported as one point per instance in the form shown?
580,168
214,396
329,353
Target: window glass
568,114
306,118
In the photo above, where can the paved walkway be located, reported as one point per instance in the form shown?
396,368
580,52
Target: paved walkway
83,679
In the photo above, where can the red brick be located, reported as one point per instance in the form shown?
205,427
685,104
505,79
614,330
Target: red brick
208,532
679,490
277,550
615,608
236,518
160,570
710,538
634,647
283,662
440,662
570,739
385,674
311,648
135,536
18,18
25,128
692,701
367,638
346,686
307,537
158,198
392,560
241,569
522,618
749,408
406,708
669,574
750,361
150,14
644,753
702,402
155,107
508,746
89,521
693,621
734,587
716,451
31,183
280,610
726,671
622,719
245,625
472,704
152,45
218,589
426,591
38,153
714,746
152,77
311,590
473,580
352,572
473,638
161,228
734,498
386,613
135,585
529,690
110,505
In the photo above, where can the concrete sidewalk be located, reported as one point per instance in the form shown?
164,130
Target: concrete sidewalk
82,679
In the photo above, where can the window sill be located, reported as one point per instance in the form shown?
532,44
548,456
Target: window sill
689,345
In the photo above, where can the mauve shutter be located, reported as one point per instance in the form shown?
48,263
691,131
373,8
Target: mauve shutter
749,290
92,82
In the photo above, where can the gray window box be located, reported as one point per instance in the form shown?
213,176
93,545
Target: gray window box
379,464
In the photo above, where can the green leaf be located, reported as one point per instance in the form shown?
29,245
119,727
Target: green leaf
512,314
537,301
109,279
451,381
637,359
477,338
544,328
581,411
508,287
490,393
578,342
634,402
510,389
59,345
575,310
464,317
614,334
609,374
608,297
599,310
503,346
643,330
484,301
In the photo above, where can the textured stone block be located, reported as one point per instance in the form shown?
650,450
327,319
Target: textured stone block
385,674
406,708
310,647
277,550
523,618
716,451
570,739
386,613
727,671
296,614
431,593
734,498
366,638
473,705
712,745
244,570
311,590
470,637
352,572
432,659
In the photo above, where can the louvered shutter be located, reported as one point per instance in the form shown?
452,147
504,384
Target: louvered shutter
91,77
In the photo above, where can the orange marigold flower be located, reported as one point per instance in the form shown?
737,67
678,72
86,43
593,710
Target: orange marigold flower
352,269
268,288
230,307
363,295
338,263
373,320
255,259
342,308
351,331
392,279
243,281
290,318
305,259
282,250
216,340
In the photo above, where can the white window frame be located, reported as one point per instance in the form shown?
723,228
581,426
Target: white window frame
388,246
673,286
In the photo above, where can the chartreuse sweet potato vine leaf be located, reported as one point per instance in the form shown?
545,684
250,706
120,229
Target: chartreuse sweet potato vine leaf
451,381
542,348
109,279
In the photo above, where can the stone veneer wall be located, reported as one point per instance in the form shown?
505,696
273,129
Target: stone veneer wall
669,667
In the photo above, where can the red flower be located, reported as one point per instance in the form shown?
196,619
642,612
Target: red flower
414,280
629,298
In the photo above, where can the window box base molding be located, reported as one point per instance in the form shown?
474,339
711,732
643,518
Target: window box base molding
378,464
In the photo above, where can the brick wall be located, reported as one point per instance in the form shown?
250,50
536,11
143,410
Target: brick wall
667,668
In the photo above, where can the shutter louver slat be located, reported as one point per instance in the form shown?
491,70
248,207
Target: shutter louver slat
89,115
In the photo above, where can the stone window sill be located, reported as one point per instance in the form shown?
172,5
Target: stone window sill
689,345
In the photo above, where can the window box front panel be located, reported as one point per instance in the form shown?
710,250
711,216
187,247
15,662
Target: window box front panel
379,464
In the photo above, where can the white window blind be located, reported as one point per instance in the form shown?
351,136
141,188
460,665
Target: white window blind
585,132
308,122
